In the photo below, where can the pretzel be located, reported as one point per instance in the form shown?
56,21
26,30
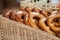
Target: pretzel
42,24
48,10
6,13
51,24
26,20
21,9
56,24
33,19
46,14
20,16
35,10
12,15
28,9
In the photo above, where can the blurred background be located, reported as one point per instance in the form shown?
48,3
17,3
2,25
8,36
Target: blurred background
15,3
8,4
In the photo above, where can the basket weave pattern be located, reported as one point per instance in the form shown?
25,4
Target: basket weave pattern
11,30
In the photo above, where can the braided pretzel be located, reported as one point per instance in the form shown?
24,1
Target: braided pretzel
51,24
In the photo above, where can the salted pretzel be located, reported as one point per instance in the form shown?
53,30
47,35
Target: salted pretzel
20,16
26,20
6,13
28,9
27,17
34,18
46,14
21,9
44,26
48,10
12,15
52,19
35,10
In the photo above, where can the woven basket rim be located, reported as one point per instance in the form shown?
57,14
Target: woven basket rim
27,27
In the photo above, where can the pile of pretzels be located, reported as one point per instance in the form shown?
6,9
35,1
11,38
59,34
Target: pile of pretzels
44,19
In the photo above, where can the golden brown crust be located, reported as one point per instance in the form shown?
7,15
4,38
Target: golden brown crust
33,20
44,13
20,17
26,20
28,9
6,13
12,15
35,10
51,24
44,27
21,9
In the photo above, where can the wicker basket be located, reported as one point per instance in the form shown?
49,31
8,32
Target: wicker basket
11,30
